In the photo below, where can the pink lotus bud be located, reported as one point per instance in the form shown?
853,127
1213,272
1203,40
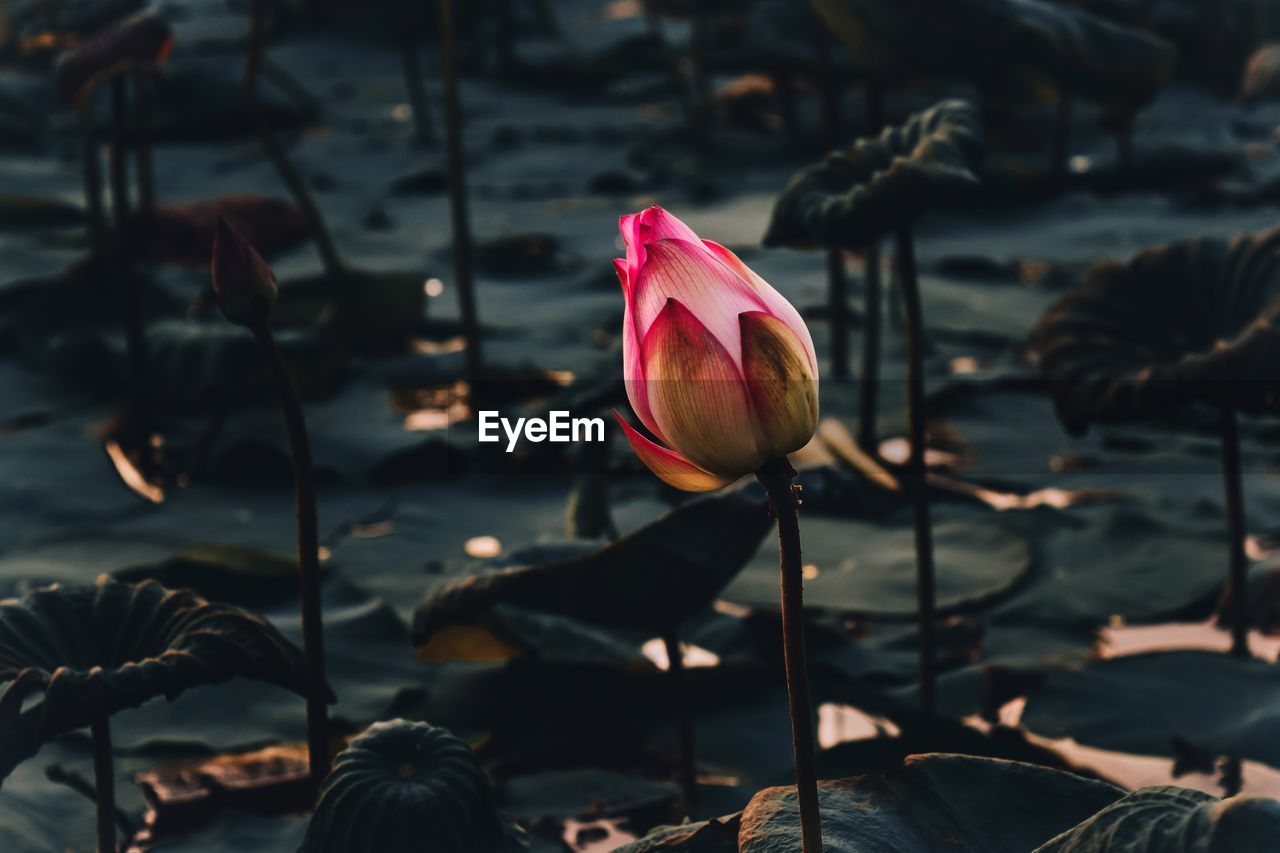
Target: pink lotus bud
242,281
144,40
718,366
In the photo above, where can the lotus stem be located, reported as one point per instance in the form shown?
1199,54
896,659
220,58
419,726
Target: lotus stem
130,292
93,184
1238,577
909,287
304,489
411,63
60,775
837,286
459,216
334,269
776,477
104,784
142,84
869,387
684,713
1061,138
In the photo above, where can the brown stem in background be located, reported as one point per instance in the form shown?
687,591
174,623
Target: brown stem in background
143,80
869,380
837,286
1238,577
122,220
684,713
289,176
411,65
776,477
93,183
460,218
909,287
304,489
104,784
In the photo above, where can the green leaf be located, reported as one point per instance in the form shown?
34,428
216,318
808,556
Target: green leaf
86,651
879,184
1078,52
1176,324
1148,703
653,579
1175,820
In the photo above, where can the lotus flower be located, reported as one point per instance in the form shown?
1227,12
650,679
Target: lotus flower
718,366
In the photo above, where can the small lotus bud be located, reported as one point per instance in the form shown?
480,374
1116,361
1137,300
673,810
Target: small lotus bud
144,40
242,282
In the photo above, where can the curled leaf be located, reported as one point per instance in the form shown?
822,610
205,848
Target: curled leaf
651,579
1174,820
1191,321
403,786
96,649
142,40
879,184
1081,53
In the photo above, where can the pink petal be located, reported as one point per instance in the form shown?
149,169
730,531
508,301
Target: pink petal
671,468
698,395
773,301
639,230
709,289
633,360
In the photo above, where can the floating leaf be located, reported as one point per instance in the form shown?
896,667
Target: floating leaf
879,184
652,579
1149,703
718,835
1079,52
933,802
143,40
1174,820
400,783
1195,320
92,650
865,568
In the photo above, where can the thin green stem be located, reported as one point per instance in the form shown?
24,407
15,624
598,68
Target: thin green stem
104,784
131,294
289,176
458,209
1238,577
837,286
143,80
411,66
308,554
93,183
776,477
684,713
869,379
909,287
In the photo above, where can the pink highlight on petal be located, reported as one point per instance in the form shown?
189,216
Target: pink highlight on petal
671,468
773,301
715,294
620,267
